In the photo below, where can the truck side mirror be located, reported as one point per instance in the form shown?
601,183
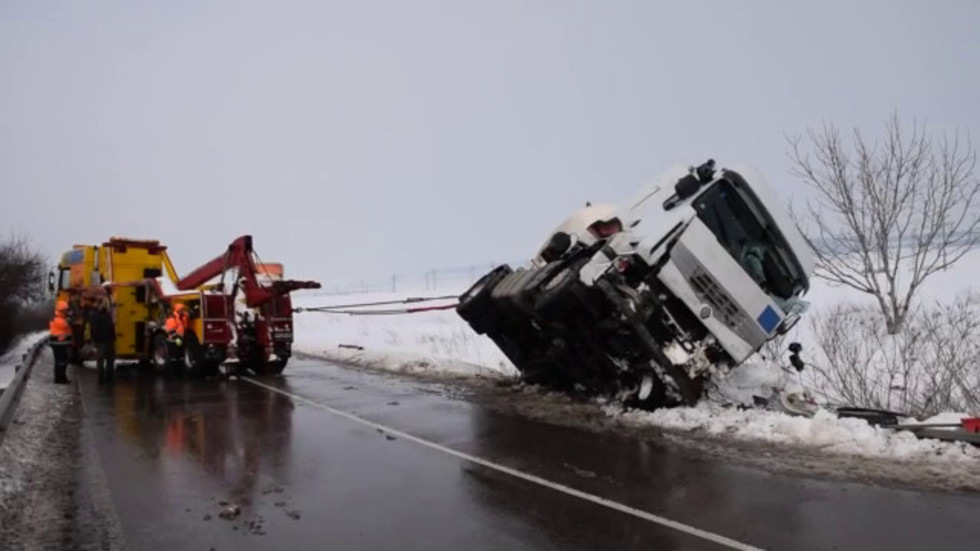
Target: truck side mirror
686,187
706,172
51,281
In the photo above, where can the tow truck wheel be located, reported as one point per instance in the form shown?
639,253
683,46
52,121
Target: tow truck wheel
161,353
193,365
271,367
229,369
276,367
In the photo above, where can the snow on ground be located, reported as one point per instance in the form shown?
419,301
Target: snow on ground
436,342
52,493
12,358
756,377
824,431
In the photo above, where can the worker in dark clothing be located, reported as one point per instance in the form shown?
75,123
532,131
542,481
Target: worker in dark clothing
60,341
103,332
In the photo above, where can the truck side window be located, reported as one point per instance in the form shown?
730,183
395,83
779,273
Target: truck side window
64,279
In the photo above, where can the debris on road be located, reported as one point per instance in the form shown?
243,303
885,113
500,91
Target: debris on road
351,346
951,427
584,473
230,512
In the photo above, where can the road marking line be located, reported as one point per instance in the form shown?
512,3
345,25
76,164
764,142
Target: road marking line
614,505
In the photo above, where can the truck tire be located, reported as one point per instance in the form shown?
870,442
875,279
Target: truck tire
476,305
555,293
651,393
161,353
192,364
272,367
690,389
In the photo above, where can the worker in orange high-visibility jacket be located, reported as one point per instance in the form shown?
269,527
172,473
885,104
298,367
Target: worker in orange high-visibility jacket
60,341
177,324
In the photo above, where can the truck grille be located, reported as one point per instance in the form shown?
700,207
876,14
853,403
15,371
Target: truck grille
711,293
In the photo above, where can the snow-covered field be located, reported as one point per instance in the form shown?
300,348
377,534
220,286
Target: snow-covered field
440,342
431,342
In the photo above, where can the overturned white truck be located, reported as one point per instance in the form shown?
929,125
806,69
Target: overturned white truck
649,301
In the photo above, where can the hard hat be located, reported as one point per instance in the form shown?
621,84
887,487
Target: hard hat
179,307
61,306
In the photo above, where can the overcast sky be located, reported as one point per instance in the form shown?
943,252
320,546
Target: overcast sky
364,138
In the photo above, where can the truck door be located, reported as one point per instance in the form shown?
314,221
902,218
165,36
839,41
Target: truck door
130,316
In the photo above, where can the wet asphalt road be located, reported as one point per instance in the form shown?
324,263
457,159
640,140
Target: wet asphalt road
306,478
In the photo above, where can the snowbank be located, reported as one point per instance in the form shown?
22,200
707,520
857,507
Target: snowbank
758,376
824,432
436,342
12,358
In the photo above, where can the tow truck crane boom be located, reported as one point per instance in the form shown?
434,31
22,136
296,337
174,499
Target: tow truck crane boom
240,255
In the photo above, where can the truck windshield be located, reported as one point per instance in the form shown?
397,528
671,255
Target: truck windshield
744,232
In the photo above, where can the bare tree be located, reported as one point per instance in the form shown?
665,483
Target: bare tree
21,286
887,215
929,368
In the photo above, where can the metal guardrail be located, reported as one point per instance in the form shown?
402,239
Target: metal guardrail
11,395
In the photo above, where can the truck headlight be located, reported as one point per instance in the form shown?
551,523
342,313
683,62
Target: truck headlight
705,312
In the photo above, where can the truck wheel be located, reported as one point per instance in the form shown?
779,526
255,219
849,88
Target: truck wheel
276,367
475,305
192,364
651,393
690,389
161,353
554,294
271,367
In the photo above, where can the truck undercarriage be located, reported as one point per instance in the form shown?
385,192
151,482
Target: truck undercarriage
602,340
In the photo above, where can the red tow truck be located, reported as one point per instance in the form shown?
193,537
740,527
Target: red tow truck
263,329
